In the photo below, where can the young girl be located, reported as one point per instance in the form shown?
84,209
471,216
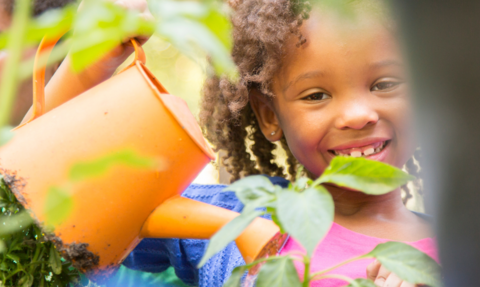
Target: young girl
320,83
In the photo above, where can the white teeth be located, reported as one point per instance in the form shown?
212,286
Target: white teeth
368,151
356,153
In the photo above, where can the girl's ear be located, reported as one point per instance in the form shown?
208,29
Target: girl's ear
266,117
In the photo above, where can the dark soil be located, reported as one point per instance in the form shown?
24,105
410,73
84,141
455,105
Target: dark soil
76,253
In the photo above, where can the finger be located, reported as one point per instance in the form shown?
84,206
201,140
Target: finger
147,15
393,281
134,5
406,284
372,270
381,276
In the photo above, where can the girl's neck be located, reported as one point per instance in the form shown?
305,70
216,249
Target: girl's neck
382,216
357,205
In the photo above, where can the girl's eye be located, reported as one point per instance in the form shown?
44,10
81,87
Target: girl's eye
317,96
382,86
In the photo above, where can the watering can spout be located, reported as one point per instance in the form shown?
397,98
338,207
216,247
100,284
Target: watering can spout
184,218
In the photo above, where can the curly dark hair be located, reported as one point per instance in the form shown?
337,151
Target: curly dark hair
260,31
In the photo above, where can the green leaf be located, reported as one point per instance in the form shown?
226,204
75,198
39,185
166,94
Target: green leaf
229,232
252,188
99,27
361,282
407,262
13,257
3,248
98,167
251,182
301,183
58,205
307,215
191,25
53,23
54,260
235,278
273,213
26,280
368,176
278,273
15,223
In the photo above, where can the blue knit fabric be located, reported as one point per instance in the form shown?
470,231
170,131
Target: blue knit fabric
156,255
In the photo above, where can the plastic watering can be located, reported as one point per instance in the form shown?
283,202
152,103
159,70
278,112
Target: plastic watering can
112,213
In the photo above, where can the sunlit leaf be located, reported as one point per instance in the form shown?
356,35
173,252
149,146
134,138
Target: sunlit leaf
307,215
191,25
251,188
218,23
407,262
99,166
228,233
54,23
58,205
301,183
15,223
361,282
235,278
99,27
278,273
368,176
54,260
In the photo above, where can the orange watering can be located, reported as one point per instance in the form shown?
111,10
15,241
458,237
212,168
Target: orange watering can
111,214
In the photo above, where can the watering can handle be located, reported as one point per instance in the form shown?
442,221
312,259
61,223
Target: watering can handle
45,48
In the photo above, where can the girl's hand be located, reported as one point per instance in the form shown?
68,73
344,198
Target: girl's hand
384,278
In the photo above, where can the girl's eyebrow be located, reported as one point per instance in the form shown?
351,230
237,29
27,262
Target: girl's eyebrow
386,63
304,76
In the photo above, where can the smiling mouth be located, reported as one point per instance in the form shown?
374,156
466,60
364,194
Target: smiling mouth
362,151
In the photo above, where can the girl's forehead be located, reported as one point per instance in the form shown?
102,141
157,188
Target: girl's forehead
339,41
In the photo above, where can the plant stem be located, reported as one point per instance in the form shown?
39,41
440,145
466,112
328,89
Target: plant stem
336,266
317,181
336,276
8,87
306,273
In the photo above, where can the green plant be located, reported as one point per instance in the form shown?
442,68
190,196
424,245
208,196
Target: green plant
305,210
27,257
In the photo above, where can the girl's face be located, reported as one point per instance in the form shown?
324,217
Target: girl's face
341,93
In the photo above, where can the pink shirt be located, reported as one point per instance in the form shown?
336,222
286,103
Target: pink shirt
341,244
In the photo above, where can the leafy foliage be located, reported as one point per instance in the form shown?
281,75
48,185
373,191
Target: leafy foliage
370,177
28,259
407,262
313,208
280,273
189,24
305,210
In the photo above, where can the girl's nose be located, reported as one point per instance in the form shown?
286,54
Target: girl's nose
356,114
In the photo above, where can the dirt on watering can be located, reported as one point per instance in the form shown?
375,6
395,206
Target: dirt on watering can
76,253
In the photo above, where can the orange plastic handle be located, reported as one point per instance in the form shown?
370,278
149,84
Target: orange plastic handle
45,48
